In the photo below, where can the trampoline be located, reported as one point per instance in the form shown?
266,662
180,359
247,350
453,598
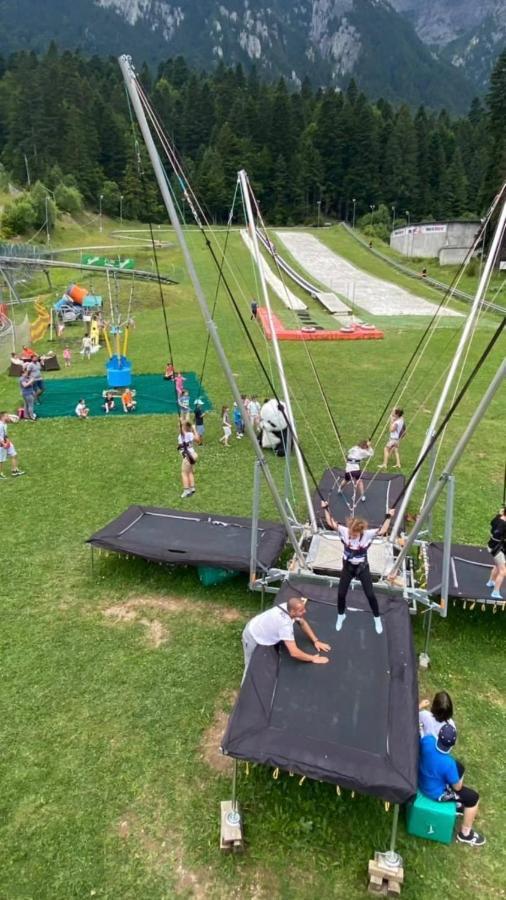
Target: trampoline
353,722
381,490
190,539
469,571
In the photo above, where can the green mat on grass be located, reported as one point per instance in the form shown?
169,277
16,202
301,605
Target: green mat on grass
153,395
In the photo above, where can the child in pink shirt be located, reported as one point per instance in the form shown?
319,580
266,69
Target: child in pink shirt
179,381
67,356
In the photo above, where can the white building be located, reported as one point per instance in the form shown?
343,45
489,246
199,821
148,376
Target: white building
448,241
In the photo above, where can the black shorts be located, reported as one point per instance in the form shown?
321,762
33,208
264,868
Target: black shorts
466,796
356,476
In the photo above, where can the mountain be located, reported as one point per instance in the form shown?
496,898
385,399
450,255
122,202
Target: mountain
468,34
327,40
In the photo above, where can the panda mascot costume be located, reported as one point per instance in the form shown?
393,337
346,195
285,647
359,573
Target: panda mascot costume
273,427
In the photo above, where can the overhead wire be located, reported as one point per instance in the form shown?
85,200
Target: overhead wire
196,208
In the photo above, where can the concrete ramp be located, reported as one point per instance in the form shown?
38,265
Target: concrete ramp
375,296
332,303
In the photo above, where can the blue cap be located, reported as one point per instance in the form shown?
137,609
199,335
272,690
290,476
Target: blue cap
446,738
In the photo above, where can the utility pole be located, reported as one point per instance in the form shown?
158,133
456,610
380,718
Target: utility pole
354,211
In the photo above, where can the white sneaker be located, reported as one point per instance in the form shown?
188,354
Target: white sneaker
377,624
186,493
340,620
363,499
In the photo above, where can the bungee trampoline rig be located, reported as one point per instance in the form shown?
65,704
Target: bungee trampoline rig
281,719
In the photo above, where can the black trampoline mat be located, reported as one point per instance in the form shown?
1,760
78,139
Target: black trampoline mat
356,679
179,537
381,491
352,722
470,568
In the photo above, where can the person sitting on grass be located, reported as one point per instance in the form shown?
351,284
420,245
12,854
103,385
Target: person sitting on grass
275,626
432,716
127,399
7,449
108,404
440,777
82,411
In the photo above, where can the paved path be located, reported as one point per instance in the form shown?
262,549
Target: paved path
375,296
285,295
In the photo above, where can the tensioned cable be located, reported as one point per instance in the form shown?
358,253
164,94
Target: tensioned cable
142,177
241,318
218,284
447,295
452,409
281,276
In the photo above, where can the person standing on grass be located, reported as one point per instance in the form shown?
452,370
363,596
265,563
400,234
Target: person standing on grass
275,626
432,716
397,430
179,381
7,450
38,382
86,347
183,401
198,410
440,777
254,412
497,547
227,429
353,474
238,422
185,444
254,309
28,394
356,539
67,358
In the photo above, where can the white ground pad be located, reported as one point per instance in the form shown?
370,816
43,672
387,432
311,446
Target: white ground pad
284,294
377,297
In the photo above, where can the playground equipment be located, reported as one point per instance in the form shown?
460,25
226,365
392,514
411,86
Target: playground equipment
118,366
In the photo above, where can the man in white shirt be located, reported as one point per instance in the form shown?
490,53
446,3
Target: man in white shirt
276,625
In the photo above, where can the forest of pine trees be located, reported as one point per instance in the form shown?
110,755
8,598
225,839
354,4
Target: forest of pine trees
64,121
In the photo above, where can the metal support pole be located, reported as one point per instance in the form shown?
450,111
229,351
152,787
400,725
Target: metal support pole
424,658
288,412
288,458
392,858
234,816
466,332
130,79
254,523
447,548
452,462
430,484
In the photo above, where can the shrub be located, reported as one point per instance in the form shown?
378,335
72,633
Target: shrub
18,217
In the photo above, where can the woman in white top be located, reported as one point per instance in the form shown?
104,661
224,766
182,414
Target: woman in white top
353,469
397,429
432,716
356,539
186,438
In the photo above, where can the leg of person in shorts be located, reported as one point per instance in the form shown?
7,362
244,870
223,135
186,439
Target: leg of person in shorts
249,645
468,801
9,453
497,575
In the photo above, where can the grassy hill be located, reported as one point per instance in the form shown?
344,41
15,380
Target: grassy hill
115,680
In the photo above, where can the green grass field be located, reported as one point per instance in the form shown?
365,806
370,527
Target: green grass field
115,683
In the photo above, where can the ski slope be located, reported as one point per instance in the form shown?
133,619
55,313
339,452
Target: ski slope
371,294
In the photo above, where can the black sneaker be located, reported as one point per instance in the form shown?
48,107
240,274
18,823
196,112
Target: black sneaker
473,838
16,472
